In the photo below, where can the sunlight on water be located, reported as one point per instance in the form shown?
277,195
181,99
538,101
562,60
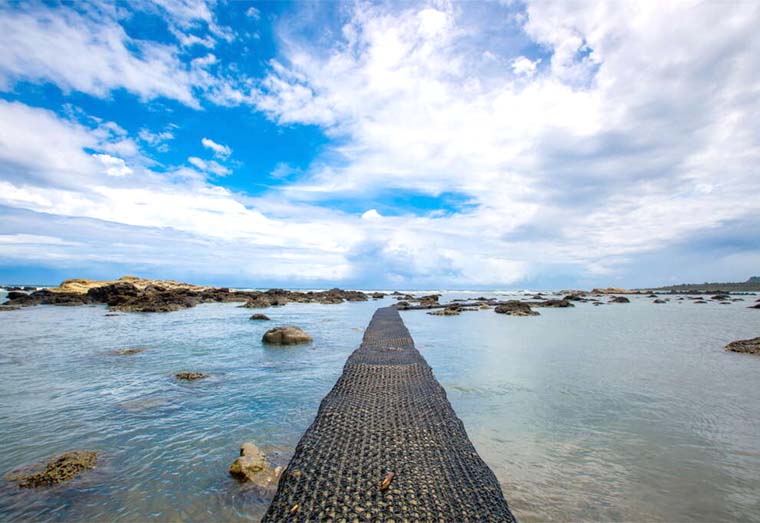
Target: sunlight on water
620,412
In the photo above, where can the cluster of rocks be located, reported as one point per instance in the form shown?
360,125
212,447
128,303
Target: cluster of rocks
131,294
515,308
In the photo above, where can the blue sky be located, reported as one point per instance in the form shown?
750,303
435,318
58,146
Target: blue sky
380,145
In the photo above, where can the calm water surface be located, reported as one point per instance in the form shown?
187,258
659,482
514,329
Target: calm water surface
627,412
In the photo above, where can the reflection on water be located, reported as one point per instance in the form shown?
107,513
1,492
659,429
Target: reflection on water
622,412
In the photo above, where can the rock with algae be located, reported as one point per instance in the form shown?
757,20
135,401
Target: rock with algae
252,466
58,469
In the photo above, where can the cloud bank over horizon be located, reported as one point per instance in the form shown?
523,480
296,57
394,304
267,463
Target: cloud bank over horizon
442,145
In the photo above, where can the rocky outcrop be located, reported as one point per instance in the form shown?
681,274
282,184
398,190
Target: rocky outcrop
613,290
619,299
56,470
751,346
287,335
131,294
190,376
252,466
515,308
260,317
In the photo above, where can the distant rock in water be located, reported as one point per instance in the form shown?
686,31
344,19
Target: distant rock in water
252,466
754,306
445,312
515,308
129,352
658,301
619,299
288,335
58,469
551,303
190,376
259,316
720,297
745,346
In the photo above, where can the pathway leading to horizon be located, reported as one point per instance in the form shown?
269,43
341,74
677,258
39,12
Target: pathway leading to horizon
386,445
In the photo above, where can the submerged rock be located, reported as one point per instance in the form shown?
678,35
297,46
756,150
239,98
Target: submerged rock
259,316
252,466
515,308
445,312
287,335
190,376
58,469
745,346
619,299
129,351
9,308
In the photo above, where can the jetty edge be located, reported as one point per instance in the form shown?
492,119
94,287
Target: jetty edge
386,445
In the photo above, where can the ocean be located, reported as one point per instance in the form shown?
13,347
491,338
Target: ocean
621,412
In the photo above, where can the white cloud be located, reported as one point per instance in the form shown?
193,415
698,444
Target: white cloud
372,214
523,66
209,166
114,166
253,13
589,164
220,151
48,44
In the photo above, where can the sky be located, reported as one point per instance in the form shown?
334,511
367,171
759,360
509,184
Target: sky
416,145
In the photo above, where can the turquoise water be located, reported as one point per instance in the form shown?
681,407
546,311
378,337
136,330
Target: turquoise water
616,413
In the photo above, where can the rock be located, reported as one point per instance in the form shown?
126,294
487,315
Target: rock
658,301
402,305
745,346
699,301
612,290
190,376
573,297
754,306
111,314
720,297
129,352
9,308
288,335
259,316
652,296
619,299
13,295
551,303
377,295
252,466
445,312
515,308
58,469
259,302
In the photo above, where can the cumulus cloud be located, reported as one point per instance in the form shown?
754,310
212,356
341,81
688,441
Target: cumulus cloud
114,166
634,139
599,157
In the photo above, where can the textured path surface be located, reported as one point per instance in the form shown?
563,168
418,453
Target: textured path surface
387,446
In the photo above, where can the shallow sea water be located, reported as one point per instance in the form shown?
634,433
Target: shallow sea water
626,412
